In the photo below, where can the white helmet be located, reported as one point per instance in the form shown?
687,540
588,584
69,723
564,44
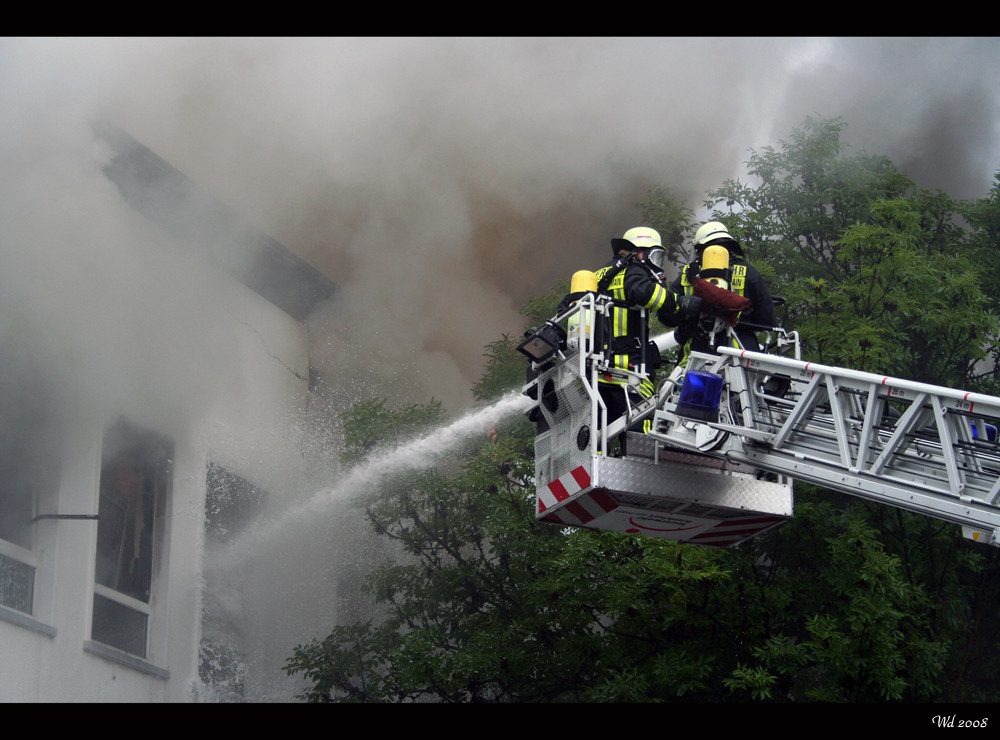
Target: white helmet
711,232
715,232
642,237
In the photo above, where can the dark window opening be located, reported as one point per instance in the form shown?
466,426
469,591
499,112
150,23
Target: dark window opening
17,584
118,626
135,483
231,503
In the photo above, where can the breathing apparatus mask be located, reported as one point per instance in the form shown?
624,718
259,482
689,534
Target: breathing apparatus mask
655,257
651,258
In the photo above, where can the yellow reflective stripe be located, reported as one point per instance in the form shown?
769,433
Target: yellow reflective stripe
658,298
621,321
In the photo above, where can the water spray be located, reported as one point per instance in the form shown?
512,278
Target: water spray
420,453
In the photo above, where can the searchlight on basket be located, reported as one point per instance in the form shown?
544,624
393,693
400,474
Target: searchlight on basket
542,343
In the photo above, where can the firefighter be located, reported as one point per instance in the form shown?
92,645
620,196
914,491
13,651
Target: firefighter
744,280
632,279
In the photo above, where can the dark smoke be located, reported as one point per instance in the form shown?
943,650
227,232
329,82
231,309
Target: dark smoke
439,181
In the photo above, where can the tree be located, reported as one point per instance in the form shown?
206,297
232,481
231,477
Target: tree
848,602
370,425
983,218
840,619
878,275
672,219
908,309
505,367
883,277
809,192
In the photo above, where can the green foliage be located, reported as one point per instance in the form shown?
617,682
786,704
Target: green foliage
908,309
808,193
370,425
848,602
844,620
505,366
505,369
467,619
878,275
538,309
672,219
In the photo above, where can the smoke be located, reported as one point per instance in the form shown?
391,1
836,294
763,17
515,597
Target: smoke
439,181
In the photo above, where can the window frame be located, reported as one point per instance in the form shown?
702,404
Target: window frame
155,453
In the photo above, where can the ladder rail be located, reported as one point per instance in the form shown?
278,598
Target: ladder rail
834,428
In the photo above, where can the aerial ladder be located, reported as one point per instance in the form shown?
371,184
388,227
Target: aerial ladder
712,455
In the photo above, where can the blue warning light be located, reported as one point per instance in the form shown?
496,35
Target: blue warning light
700,396
991,432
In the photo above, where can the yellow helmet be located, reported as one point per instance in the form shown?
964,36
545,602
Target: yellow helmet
583,281
643,236
639,237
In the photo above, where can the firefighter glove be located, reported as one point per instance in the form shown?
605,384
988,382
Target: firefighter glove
690,305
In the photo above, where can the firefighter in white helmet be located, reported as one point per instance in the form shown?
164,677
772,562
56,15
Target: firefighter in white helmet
744,280
634,279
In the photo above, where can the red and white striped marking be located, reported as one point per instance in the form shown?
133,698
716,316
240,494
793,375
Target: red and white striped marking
732,531
570,501
563,487
584,509
596,508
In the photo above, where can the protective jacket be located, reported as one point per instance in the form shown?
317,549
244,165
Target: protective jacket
632,288
632,285
746,281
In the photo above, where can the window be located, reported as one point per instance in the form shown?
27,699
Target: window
17,581
230,505
17,558
135,484
27,472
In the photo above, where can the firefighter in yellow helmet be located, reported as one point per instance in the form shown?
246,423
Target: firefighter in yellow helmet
743,279
633,278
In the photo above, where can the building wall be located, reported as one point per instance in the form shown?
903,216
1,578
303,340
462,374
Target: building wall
253,361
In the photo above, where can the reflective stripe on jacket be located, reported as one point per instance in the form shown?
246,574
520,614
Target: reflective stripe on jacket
631,287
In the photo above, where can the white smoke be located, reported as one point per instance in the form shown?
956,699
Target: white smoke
438,181
441,181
